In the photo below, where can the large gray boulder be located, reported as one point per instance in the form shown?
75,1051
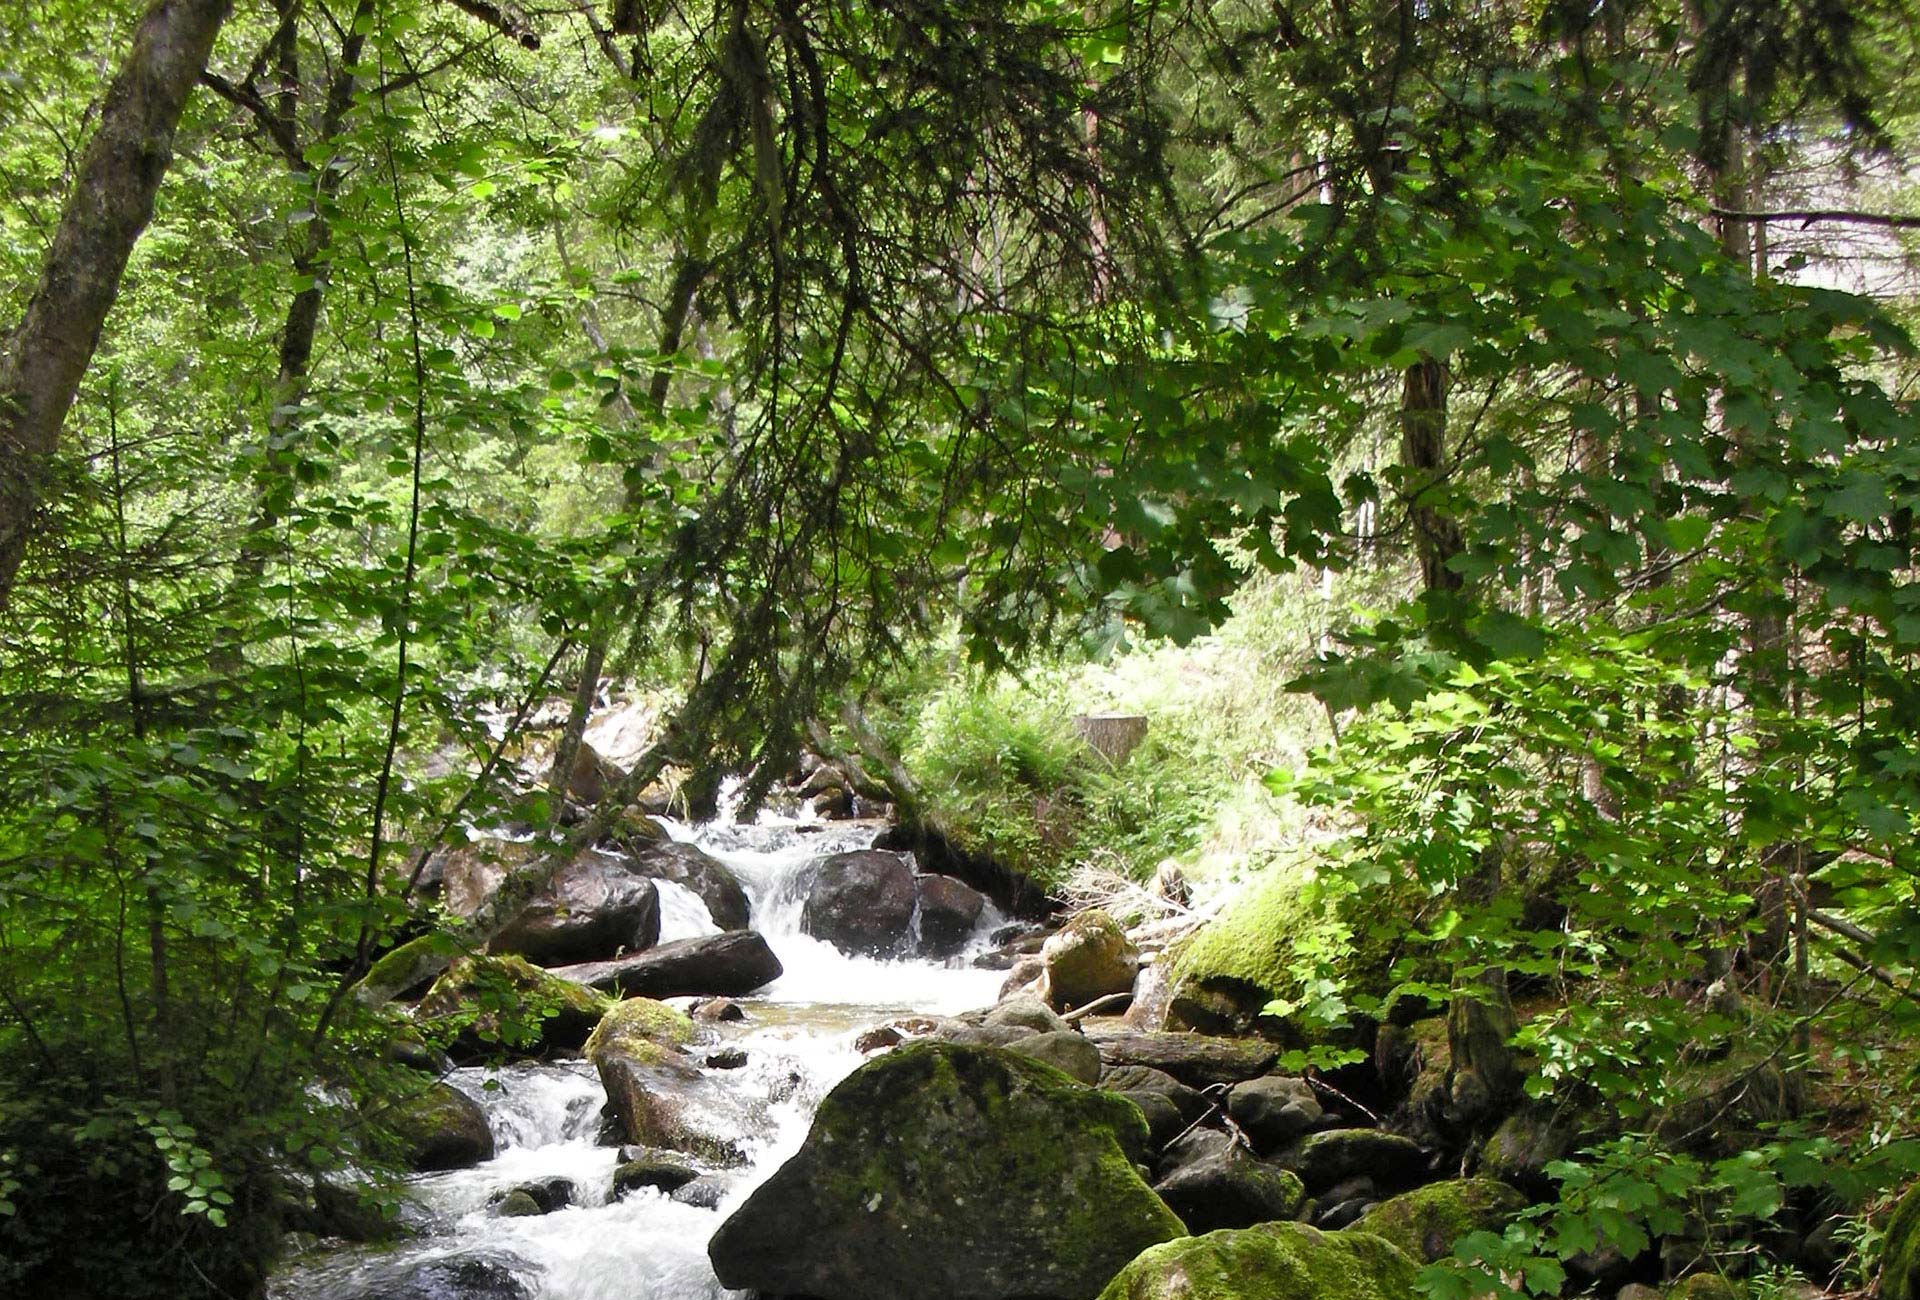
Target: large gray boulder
726,965
660,1097
1212,1182
861,903
595,906
967,1173
440,1128
949,911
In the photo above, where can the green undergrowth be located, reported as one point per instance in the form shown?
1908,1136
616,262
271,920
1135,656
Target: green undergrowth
1002,769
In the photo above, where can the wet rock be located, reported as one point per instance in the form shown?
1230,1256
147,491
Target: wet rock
440,1128
595,905
531,1199
660,1175
719,1011
733,964
1011,943
1427,1221
966,1173
548,1014
861,903
658,1094
878,1039
1273,1110
1274,1261
949,909
1325,1159
1164,1121
1214,1182
1089,958
491,1276
726,1058
1152,996
1197,1060
703,1193
706,876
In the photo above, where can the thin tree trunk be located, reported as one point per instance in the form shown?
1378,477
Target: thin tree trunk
110,205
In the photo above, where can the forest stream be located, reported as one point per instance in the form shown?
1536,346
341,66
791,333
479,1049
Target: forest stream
798,1039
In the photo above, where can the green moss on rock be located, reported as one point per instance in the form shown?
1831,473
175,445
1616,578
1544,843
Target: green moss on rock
966,1172
1427,1221
633,1025
439,1128
511,1001
1900,1257
1708,1286
1273,1261
1287,926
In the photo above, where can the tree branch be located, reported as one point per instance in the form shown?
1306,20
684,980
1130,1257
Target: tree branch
1808,216
506,17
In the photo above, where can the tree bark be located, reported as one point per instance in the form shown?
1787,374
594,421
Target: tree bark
108,208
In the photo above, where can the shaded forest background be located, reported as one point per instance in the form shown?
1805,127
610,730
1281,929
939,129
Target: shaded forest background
1536,377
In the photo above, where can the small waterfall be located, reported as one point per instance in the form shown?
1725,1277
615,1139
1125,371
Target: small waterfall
798,1041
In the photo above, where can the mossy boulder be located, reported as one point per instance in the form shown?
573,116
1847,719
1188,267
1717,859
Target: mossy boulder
1711,1286
1427,1221
1271,1261
439,1128
970,1173
1326,1159
1257,949
1089,958
656,1090
1900,1255
489,1002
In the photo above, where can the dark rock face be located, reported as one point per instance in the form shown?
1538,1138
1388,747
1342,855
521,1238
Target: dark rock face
1900,1254
1274,1110
1213,1182
705,875
949,909
440,1129
861,903
661,1175
1324,1160
962,1172
595,907
730,965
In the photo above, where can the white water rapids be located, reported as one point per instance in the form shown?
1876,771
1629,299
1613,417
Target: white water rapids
798,1038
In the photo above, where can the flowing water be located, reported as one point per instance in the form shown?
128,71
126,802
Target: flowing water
798,1040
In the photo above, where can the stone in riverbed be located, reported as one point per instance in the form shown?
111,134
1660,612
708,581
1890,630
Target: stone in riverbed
440,1128
550,1014
595,905
731,964
1273,1261
1197,1060
658,1093
1427,1221
705,875
1089,958
1213,1182
861,903
1325,1159
968,1173
949,909
490,1276
1273,1110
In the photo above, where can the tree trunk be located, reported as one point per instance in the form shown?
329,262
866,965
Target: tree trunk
111,203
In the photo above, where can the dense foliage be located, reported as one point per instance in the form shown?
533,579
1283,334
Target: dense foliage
767,349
